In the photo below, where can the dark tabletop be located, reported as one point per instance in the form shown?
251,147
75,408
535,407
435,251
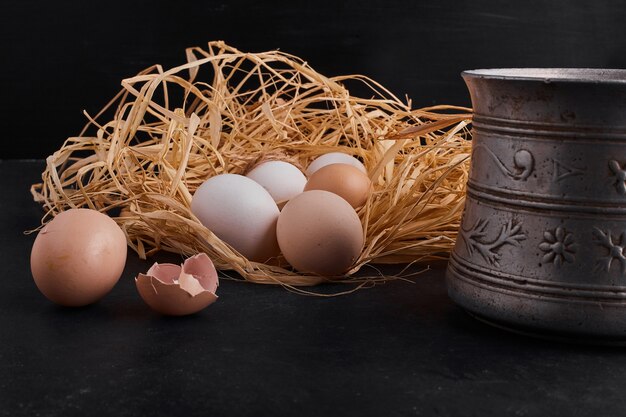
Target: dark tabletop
395,349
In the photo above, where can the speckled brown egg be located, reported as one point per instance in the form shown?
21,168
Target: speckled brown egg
344,180
319,232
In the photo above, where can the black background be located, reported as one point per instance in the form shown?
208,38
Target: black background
398,349
62,57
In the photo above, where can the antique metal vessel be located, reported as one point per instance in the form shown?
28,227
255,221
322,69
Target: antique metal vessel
542,245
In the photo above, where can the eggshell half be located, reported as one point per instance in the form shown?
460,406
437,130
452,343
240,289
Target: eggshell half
320,233
178,291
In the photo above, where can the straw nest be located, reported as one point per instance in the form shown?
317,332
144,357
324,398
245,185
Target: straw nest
143,156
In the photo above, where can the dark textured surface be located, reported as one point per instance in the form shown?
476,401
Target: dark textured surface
65,56
394,350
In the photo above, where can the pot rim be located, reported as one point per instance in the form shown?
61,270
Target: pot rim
548,75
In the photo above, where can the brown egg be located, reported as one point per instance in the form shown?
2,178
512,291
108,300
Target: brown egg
344,180
78,257
176,290
319,232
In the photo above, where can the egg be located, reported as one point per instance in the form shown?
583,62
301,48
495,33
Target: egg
344,180
179,290
334,158
281,179
78,257
319,232
240,212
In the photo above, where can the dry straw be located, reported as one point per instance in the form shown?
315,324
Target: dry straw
224,111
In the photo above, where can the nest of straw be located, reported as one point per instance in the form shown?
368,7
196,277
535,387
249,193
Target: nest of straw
143,156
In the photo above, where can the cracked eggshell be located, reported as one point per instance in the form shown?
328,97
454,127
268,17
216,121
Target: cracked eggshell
176,290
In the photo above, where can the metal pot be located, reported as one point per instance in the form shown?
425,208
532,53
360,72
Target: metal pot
542,245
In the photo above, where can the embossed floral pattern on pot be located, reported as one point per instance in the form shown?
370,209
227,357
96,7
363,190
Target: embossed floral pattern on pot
558,246
616,250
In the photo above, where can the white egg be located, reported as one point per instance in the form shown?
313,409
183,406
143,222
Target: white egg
241,213
334,158
281,179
